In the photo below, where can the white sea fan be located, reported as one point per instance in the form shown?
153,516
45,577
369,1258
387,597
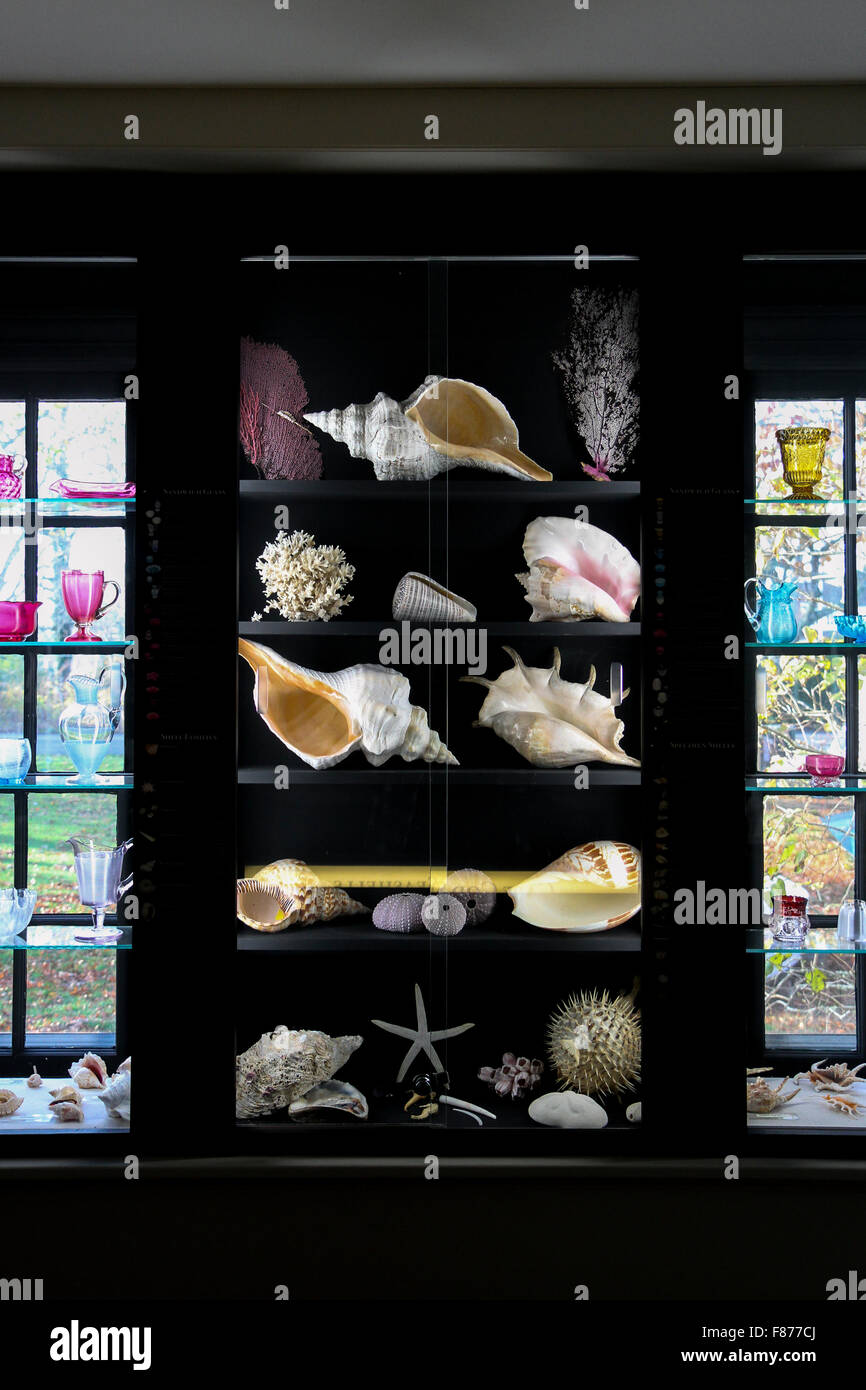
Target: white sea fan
303,582
599,370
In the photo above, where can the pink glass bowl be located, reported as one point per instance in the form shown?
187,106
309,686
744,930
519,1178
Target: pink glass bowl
824,768
17,620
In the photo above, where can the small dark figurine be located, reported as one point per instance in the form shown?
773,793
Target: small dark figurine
516,1076
429,1092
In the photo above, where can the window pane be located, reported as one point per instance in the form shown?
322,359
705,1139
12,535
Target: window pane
7,842
802,712
5,996
54,695
11,562
11,696
809,850
90,548
809,994
812,557
70,991
52,818
776,415
85,440
12,419
860,446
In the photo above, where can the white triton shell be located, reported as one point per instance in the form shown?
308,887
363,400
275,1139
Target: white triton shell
331,1095
588,889
116,1096
284,1065
551,722
577,571
633,1112
288,893
445,422
568,1110
323,716
420,599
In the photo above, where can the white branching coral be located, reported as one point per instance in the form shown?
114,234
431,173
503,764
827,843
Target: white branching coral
304,581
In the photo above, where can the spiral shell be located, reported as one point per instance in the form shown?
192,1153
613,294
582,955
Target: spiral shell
400,912
288,893
284,1065
443,915
420,599
587,889
476,891
9,1101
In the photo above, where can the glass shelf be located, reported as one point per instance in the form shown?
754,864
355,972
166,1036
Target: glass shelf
66,506
401,775
58,646
819,940
465,487
57,782
784,647
800,504
517,628
782,784
44,936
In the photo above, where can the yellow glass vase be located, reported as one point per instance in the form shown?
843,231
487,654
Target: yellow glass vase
802,448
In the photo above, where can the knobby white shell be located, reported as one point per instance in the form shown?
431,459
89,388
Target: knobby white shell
323,716
568,1110
284,1065
444,423
588,889
420,599
550,721
117,1096
577,571
288,893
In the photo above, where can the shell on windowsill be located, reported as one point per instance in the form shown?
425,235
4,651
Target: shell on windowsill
9,1101
90,1073
116,1096
34,1080
420,599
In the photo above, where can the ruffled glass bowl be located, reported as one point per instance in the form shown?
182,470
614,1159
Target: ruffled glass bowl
852,626
16,909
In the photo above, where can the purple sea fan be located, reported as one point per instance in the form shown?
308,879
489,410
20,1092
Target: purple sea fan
516,1077
599,367
275,446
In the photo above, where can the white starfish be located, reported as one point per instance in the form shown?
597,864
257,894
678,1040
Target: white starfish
421,1036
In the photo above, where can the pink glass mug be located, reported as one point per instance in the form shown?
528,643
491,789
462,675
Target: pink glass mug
83,593
824,769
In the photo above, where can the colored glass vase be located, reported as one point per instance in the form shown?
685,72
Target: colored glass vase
83,593
89,722
773,617
802,449
11,474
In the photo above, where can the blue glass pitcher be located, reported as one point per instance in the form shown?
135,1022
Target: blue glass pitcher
773,617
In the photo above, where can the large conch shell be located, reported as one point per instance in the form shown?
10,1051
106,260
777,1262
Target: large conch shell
322,716
286,894
577,571
284,1065
587,889
116,1096
550,721
444,423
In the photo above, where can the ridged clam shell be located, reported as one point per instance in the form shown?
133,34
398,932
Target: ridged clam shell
476,891
577,572
443,915
290,887
588,889
284,1065
323,716
399,912
420,599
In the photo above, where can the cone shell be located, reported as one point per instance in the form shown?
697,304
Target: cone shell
418,598
284,1065
577,572
291,895
443,915
588,889
595,1045
476,891
399,912
323,716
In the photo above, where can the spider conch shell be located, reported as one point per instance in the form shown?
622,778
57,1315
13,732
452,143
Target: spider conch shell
322,716
286,894
587,889
420,599
445,422
284,1065
116,1096
550,721
9,1101
577,571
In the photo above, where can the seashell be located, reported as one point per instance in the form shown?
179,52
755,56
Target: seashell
633,1112
67,1111
323,716
116,1096
577,571
284,1065
591,888
444,423
70,1093
476,891
515,1076
443,915
567,1110
399,912
302,898
90,1073
551,722
331,1095
9,1101
34,1080
594,1043
420,599
126,1065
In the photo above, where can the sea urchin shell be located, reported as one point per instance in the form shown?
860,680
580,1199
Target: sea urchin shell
399,912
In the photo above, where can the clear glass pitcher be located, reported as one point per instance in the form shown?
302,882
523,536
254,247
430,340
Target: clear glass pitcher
99,883
773,617
89,722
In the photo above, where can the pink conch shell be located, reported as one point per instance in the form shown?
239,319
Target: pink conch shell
577,571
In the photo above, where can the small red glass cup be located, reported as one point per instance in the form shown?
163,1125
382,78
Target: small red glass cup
824,769
17,620
83,592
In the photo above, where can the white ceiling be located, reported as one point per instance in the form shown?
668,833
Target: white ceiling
430,41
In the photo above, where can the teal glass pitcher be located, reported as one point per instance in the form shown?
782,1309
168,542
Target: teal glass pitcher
773,617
